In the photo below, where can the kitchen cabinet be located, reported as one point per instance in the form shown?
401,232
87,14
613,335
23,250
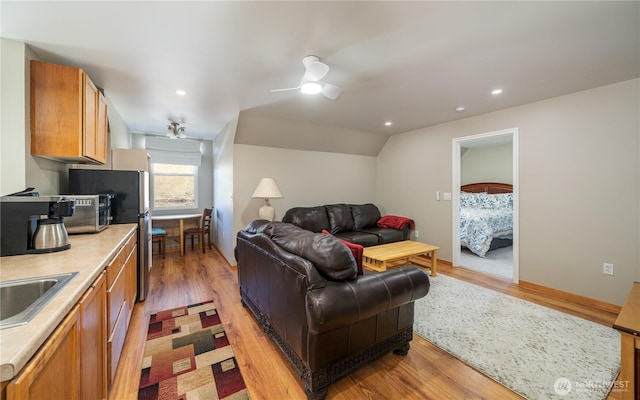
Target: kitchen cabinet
132,267
119,302
79,344
93,341
53,373
72,362
102,129
68,115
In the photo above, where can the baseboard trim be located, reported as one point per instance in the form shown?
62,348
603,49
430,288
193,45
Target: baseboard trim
573,298
570,297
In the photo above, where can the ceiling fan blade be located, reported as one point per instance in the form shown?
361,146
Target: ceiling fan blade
331,91
316,70
285,90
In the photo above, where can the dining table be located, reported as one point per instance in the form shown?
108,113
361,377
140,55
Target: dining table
181,218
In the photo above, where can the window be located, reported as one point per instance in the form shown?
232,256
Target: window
174,186
174,172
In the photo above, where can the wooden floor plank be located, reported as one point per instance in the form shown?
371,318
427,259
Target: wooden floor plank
427,372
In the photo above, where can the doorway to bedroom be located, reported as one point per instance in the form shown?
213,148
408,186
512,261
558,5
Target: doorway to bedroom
485,203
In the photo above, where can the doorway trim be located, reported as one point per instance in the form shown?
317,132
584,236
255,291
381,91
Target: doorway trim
457,144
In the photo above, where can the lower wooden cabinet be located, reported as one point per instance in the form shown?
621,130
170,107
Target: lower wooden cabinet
54,372
72,364
80,358
119,303
93,341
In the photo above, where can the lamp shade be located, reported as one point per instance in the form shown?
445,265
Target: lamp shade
267,189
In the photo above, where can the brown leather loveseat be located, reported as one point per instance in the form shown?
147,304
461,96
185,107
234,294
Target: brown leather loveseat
304,291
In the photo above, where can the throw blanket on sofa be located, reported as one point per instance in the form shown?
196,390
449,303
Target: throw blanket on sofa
395,222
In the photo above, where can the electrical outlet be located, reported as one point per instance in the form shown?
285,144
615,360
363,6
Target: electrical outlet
607,269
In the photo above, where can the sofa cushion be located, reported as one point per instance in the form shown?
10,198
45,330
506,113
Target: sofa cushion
313,219
356,250
340,218
363,238
385,235
330,257
364,215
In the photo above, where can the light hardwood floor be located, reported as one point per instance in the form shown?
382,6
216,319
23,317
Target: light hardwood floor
425,373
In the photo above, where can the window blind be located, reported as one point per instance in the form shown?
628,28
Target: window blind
174,151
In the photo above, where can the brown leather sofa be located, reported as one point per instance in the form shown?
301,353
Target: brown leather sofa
304,291
355,223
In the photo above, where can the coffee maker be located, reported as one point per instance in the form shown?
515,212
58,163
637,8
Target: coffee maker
30,224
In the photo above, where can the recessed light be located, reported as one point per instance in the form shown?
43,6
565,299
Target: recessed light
460,109
496,91
181,92
388,123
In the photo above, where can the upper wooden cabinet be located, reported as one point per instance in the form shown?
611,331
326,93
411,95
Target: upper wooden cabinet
68,115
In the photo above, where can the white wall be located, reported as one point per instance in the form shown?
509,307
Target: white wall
487,164
13,123
579,182
119,133
305,178
258,129
223,174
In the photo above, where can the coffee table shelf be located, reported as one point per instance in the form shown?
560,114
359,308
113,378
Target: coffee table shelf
379,258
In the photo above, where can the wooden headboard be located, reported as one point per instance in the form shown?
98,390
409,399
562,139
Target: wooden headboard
487,187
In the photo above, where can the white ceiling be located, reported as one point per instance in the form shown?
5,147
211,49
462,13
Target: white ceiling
408,62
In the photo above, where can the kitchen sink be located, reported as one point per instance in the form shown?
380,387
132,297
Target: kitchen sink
22,299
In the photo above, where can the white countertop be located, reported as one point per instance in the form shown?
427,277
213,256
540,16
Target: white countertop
89,255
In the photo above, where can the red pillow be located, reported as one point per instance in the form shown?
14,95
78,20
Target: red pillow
356,250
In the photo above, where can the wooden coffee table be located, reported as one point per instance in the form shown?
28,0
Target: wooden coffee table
379,258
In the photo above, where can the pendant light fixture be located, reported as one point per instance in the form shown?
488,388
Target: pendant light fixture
175,131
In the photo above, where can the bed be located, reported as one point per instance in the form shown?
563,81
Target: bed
486,216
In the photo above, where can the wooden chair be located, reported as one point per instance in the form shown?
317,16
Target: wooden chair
203,229
159,235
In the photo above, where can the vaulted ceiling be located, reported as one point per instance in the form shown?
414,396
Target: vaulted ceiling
410,63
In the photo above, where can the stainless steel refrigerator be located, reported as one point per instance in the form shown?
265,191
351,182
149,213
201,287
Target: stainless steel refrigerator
130,206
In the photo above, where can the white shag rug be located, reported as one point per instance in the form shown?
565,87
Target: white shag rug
533,350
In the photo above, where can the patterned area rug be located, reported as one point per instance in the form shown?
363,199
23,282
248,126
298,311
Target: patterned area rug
535,351
187,356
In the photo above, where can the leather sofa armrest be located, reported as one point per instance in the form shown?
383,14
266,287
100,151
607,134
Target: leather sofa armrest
347,302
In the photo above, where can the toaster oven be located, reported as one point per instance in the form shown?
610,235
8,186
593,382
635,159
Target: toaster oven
93,213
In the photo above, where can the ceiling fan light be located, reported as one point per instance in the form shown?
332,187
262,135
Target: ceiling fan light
182,133
311,88
170,132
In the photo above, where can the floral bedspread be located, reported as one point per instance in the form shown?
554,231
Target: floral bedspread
479,224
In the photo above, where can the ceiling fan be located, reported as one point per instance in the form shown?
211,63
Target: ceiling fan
310,82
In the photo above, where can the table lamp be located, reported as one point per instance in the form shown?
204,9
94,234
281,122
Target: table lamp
267,189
